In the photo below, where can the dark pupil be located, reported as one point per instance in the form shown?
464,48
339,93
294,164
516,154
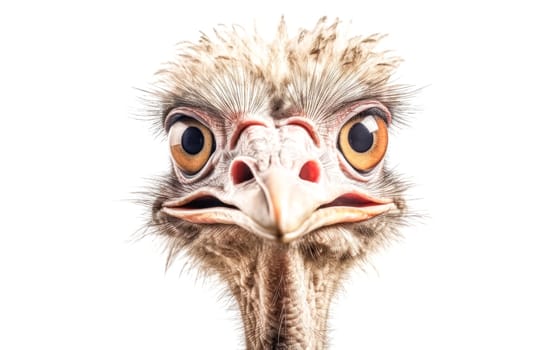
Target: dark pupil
359,138
192,140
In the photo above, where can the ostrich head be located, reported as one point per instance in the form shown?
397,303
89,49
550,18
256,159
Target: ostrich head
278,182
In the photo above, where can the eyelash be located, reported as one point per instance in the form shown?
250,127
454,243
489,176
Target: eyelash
373,111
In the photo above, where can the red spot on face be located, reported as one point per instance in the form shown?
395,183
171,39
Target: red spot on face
310,171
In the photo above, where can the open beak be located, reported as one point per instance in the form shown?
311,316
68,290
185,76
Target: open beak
279,205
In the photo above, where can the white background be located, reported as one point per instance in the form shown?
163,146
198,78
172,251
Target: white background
479,273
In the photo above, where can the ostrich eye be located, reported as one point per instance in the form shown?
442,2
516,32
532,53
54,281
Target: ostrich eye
363,141
191,144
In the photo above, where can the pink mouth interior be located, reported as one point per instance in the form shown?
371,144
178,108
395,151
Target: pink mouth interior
346,200
350,200
205,202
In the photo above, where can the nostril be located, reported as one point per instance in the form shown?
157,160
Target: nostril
310,171
240,172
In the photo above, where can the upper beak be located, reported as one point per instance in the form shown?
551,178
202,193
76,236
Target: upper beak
290,201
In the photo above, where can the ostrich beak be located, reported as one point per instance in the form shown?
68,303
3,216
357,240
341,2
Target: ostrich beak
278,204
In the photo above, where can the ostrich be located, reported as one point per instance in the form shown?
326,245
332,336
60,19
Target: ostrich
278,182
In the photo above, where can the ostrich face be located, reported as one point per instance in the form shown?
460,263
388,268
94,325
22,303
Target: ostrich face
279,178
278,181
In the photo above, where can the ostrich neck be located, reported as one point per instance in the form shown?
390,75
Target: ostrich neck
284,300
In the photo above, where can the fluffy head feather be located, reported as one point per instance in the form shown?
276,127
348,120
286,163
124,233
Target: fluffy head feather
315,72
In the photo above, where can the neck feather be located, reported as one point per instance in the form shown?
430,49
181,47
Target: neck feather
284,300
